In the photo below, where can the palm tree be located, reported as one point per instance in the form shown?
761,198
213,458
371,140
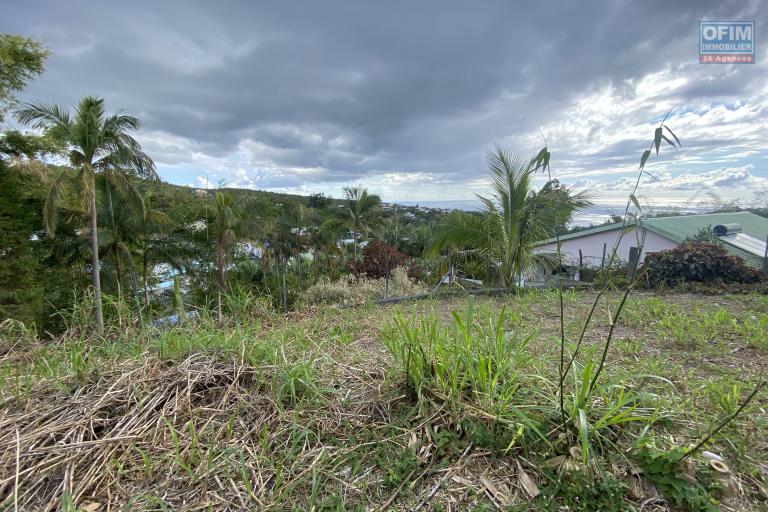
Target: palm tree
322,238
158,240
391,231
363,212
267,215
119,234
501,241
226,228
97,143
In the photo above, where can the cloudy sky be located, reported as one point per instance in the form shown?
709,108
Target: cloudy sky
407,97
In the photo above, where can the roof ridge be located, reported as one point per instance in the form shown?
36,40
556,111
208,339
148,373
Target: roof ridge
662,217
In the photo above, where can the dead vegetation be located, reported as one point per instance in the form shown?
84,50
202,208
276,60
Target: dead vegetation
216,427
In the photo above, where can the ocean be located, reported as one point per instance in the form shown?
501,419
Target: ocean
595,214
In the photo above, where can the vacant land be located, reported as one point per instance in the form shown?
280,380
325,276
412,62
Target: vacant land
314,411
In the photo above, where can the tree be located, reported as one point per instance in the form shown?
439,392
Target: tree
228,226
555,193
392,231
501,241
21,60
120,218
322,237
21,294
158,239
363,212
97,143
318,201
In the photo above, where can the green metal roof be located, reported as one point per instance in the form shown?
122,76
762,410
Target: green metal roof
586,232
680,227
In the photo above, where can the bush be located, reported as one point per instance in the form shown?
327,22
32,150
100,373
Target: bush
700,262
359,290
380,259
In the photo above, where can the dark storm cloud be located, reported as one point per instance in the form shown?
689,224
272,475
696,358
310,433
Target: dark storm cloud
357,89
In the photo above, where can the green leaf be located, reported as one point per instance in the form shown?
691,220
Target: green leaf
541,160
657,139
644,158
653,178
669,141
583,435
675,136
635,202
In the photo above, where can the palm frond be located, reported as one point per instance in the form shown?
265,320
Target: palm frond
44,115
53,199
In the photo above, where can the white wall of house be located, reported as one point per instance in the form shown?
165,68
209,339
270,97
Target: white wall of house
592,245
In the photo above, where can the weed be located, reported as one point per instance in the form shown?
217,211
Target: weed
400,467
297,382
575,490
686,487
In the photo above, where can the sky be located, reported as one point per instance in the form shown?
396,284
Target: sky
407,98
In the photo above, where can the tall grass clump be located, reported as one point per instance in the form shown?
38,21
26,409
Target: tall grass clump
473,359
482,367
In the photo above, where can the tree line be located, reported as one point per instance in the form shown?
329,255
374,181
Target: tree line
105,221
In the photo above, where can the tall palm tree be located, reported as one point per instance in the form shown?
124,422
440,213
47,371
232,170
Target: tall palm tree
363,212
296,228
226,228
322,238
96,143
119,234
267,215
501,241
158,240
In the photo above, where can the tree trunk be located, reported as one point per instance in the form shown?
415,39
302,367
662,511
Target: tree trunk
118,266
95,274
276,258
119,271
354,250
316,263
285,288
221,277
264,267
298,268
145,277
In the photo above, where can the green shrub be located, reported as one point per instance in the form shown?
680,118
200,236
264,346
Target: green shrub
697,262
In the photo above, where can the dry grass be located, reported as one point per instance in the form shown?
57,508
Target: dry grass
216,429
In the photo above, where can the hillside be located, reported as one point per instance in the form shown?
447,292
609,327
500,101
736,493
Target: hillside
310,410
40,270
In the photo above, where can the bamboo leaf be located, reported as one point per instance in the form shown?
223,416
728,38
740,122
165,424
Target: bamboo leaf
635,202
653,178
644,158
675,136
657,139
669,141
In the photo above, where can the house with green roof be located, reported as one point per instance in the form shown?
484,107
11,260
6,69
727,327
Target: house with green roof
742,233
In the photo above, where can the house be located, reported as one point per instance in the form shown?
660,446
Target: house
743,234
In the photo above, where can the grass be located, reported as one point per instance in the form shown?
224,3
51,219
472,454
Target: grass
438,404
